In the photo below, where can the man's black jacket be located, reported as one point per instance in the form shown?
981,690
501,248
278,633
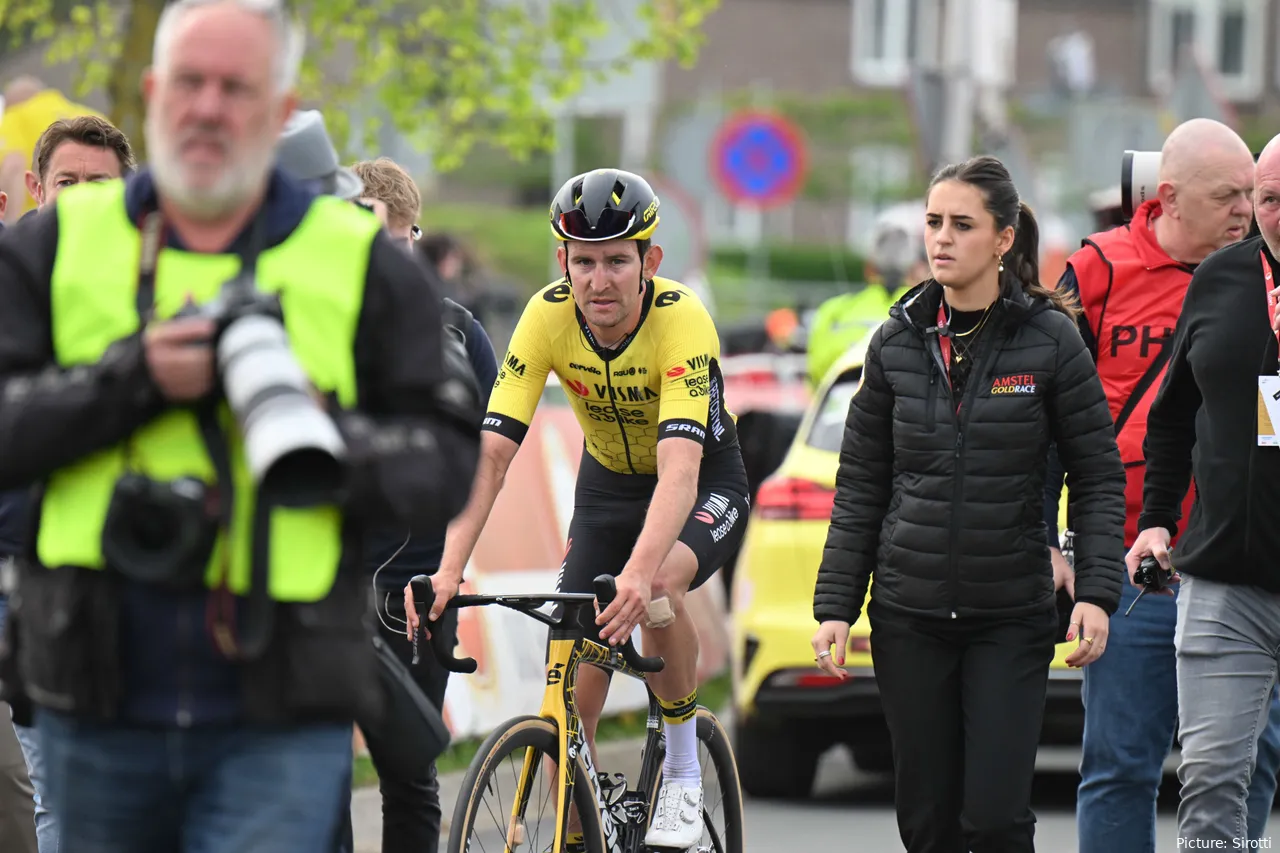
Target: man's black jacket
413,442
1204,421
946,509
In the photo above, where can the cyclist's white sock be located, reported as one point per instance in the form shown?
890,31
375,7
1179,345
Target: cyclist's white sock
681,725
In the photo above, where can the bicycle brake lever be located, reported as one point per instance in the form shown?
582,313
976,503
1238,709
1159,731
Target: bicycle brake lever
606,589
424,597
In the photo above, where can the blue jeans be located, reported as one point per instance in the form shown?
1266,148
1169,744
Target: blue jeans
46,826
236,789
1131,713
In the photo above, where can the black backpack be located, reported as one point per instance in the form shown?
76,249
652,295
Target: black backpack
457,319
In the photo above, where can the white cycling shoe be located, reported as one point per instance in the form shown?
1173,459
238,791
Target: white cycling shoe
677,817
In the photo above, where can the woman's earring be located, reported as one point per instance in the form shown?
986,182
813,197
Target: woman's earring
1001,257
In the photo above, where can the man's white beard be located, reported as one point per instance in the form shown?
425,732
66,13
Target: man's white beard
236,185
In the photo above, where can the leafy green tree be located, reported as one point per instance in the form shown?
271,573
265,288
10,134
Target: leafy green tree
448,72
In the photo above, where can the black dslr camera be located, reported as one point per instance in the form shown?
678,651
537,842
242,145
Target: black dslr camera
161,532
1152,577
164,531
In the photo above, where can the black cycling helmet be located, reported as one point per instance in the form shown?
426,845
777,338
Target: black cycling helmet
606,204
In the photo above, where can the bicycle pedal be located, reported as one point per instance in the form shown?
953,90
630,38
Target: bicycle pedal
636,810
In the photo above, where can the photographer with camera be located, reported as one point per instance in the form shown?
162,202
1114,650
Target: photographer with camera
220,381
1211,422
1131,282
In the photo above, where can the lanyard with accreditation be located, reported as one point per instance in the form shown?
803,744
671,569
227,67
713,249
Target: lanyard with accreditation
1269,386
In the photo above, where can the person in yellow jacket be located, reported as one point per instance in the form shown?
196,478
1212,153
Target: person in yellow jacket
895,264
191,628
29,108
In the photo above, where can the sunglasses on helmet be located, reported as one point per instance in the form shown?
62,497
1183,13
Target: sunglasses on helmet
611,225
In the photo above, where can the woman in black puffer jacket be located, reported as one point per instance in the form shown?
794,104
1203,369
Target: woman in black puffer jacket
939,495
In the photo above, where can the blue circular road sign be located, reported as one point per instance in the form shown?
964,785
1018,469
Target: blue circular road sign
759,158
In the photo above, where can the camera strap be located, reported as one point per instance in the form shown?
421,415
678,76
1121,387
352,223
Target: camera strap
221,614
153,233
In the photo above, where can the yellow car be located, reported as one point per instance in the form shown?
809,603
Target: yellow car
786,711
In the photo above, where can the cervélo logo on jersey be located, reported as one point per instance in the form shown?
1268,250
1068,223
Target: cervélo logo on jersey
1013,385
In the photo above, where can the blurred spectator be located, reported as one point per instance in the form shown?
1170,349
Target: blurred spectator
782,325
895,264
17,796
24,811
73,151
206,709
387,182
17,829
29,108
451,262
411,807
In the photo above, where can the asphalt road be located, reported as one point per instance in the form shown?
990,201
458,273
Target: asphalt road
850,804
850,810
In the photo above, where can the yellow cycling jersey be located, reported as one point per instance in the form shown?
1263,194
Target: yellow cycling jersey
661,381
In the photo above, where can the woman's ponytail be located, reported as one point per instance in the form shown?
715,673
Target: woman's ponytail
1025,258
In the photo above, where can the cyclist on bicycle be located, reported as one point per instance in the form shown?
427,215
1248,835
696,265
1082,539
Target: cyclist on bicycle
661,498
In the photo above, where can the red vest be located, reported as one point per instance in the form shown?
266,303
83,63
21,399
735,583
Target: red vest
1132,294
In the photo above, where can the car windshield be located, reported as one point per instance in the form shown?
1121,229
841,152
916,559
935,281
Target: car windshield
828,427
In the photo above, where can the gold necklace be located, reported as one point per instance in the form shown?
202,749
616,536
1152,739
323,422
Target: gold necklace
982,322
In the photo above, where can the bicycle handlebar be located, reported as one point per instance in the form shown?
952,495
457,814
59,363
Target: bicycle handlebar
606,590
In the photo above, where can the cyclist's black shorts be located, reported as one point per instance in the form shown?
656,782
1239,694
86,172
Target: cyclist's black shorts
610,508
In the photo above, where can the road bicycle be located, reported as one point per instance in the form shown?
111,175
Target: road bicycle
614,817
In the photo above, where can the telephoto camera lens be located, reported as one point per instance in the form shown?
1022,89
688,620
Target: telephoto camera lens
293,448
1139,177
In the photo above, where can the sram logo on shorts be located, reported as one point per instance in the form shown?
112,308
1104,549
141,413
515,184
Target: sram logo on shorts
1014,384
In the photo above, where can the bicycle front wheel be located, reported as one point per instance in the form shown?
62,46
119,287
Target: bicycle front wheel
723,825
500,808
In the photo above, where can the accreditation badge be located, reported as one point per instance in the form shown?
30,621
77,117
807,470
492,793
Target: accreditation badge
1268,411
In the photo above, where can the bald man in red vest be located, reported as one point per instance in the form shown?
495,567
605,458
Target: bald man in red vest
1131,281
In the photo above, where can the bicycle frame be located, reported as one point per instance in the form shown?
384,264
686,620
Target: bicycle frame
568,647
567,650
